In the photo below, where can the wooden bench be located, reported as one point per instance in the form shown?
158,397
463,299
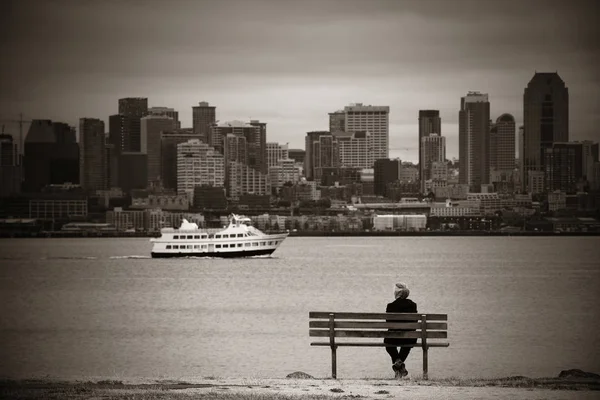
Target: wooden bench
334,325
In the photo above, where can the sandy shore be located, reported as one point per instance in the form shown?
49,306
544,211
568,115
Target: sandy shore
307,389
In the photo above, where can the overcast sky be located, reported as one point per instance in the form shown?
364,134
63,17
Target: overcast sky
289,63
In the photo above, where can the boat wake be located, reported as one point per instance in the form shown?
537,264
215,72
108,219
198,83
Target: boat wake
134,257
69,258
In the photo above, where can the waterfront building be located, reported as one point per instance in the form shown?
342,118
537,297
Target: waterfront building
203,118
10,167
385,171
489,202
473,140
456,208
545,119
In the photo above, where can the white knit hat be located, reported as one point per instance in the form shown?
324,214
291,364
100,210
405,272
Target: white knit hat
401,291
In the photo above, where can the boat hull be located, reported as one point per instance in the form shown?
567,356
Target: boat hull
224,254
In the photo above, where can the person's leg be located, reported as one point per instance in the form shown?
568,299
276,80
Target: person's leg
392,351
403,354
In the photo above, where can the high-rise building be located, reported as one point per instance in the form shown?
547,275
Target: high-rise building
545,119
385,171
309,140
297,155
473,140
152,126
168,155
276,152
433,150
257,146
132,172
166,111
133,109
198,164
133,106
372,119
242,179
10,167
355,149
429,122
51,155
337,121
92,154
203,117
563,166
325,154
283,172
502,143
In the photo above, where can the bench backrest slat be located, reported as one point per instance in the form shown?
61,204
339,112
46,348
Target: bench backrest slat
375,316
378,334
377,325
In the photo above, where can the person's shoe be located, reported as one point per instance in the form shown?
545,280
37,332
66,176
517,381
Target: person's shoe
399,369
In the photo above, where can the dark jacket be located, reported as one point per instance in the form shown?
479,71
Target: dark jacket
401,306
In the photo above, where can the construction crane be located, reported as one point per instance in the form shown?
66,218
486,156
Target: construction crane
19,121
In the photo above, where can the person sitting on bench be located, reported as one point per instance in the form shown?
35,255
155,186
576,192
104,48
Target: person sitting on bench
402,304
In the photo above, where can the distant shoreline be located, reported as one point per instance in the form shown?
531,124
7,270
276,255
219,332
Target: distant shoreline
92,235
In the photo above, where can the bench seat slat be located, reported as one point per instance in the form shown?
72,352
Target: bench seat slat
378,334
378,325
378,344
384,316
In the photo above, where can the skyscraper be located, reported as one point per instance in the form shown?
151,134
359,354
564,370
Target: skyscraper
433,150
257,146
385,171
203,117
198,164
166,111
276,152
125,127
168,155
337,121
309,140
429,122
473,140
502,144
10,167
151,127
372,119
545,119
92,154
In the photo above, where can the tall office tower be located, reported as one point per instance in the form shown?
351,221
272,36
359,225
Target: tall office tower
433,150
589,153
429,122
257,146
218,132
337,121
203,117
133,109
276,152
10,168
385,171
243,179
235,151
309,140
545,119
168,154
166,111
473,140
51,155
502,144
355,149
92,154
132,171
373,119
325,154
111,173
198,164
152,125
563,166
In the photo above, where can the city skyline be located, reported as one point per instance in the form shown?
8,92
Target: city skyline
289,65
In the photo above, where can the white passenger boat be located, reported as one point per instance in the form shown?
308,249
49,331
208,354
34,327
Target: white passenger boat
238,239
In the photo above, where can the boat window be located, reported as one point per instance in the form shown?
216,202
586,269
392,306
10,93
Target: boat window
262,243
217,246
225,236
204,246
176,237
190,236
225,245
248,244
189,246
196,236
270,243
175,246
196,246
239,244
218,236
211,236
204,236
255,244
168,246
240,235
